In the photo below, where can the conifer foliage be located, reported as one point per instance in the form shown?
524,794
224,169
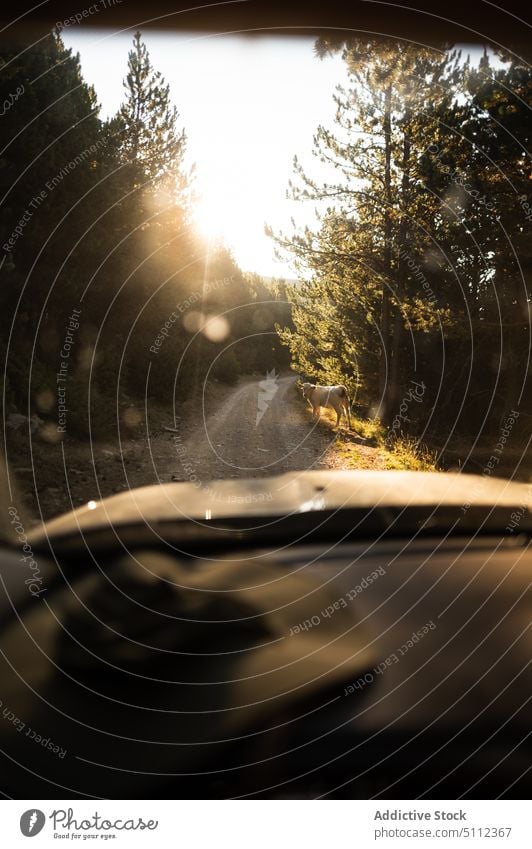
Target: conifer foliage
152,143
420,267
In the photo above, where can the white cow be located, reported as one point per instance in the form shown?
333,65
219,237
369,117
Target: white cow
327,396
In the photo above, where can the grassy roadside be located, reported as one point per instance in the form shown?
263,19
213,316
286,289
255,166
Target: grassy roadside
364,447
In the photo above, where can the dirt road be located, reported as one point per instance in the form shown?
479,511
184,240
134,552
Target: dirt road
261,428
255,429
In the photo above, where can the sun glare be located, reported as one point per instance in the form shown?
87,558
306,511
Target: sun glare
230,218
208,218
247,107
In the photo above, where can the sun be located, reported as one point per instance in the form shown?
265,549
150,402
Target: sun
209,220
236,221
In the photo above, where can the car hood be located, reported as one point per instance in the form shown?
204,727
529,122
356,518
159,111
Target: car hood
221,505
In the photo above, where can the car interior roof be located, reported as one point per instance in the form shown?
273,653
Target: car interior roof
433,23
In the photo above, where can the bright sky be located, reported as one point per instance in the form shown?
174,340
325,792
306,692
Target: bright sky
248,105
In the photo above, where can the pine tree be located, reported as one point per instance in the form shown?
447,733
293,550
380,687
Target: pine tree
51,176
359,257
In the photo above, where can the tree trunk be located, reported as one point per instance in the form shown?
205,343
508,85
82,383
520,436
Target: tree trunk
384,365
400,289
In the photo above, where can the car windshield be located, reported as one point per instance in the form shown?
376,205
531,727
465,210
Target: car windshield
230,257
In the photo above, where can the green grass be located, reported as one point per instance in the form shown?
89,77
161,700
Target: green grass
370,429
350,454
404,454
407,453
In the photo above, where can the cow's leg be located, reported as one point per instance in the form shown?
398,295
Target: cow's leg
347,414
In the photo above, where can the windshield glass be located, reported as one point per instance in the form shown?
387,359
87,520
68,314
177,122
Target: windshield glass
229,257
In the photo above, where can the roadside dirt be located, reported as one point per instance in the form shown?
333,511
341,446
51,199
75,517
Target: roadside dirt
254,429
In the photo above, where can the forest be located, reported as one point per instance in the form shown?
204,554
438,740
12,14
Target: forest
418,277
108,294
413,289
